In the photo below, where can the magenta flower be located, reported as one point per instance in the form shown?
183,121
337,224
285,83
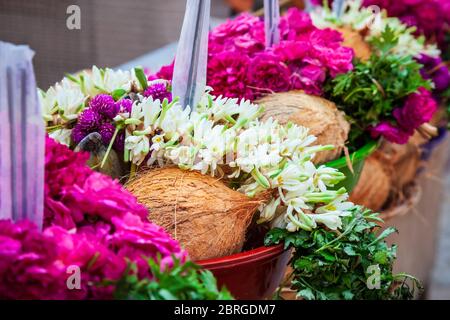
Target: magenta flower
158,91
227,74
89,120
90,222
390,132
307,55
100,197
28,268
417,110
124,105
267,74
119,143
106,131
104,105
138,240
435,70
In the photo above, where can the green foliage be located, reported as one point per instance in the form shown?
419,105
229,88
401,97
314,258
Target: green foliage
183,281
333,265
370,92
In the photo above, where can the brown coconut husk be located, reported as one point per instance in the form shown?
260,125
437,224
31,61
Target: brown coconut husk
374,185
321,116
403,202
405,160
355,40
208,218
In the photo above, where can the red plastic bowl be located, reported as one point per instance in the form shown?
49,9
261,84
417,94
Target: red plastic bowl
250,275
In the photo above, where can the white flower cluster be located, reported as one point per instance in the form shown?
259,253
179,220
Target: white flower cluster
361,18
225,136
63,102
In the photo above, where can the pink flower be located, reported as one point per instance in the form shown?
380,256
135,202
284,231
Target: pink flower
325,46
96,262
166,72
267,74
101,197
309,78
227,73
295,24
390,132
138,241
417,110
309,55
28,268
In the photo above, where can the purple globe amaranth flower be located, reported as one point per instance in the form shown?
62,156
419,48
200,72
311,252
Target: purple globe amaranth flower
106,130
159,91
89,120
78,134
119,143
124,105
435,70
105,105
418,109
390,132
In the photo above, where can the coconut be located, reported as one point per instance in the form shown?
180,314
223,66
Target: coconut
321,116
374,185
355,40
404,158
208,218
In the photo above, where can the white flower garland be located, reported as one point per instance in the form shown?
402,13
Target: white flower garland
220,135
361,18
226,134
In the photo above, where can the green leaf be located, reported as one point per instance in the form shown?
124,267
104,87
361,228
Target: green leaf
328,264
327,256
347,294
381,257
383,235
306,294
140,75
350,251
118,93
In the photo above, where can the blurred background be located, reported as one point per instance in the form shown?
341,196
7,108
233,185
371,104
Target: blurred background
119,33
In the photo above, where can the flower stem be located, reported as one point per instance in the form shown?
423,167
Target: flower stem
133,170
108,151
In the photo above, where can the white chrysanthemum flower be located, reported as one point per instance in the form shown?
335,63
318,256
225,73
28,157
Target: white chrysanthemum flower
61,135
48,103
69,101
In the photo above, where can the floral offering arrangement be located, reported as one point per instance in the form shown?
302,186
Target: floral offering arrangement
387,93
91,222
429,17
216,169
270,151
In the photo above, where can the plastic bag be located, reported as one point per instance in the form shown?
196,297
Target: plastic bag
189,78
271,22
22,137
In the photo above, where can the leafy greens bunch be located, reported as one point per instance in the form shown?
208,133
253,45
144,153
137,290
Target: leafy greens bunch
339,264
369,93
182,281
